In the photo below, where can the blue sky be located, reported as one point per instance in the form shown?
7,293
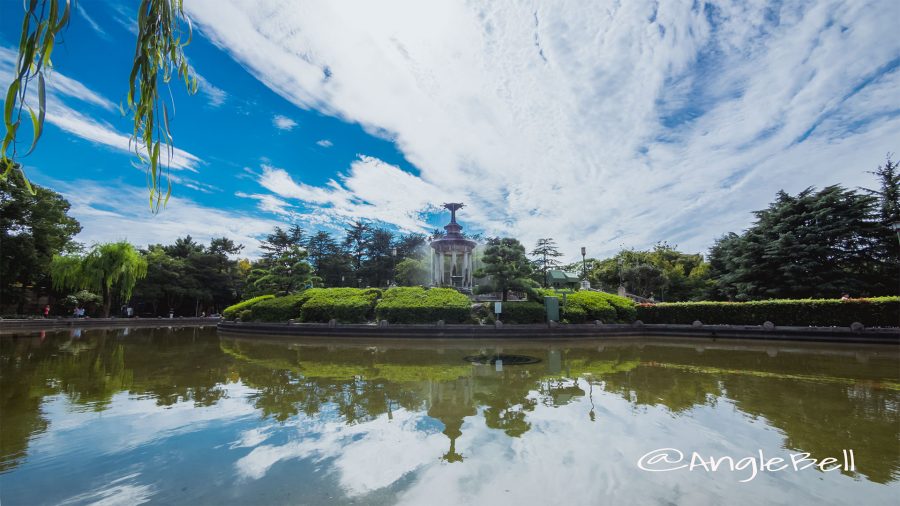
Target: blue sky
599,124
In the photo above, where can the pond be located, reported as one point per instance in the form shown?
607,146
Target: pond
186,416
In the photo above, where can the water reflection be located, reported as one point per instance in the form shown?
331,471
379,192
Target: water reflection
184,415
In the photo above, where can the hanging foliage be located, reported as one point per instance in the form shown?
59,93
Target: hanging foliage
44,20
112,269
163,32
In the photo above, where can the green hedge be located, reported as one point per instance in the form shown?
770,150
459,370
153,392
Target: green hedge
523,312
414,304
279,309
346,305
232,312
875,312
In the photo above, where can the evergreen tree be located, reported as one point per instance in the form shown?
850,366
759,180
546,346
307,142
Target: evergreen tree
547,253
377,270
331,265
505,262
815,244
355,244
283,268
888,247
410,246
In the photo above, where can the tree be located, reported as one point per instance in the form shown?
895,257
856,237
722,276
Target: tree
664,271
410,246
412,272
378,267
355,244
329,261
112,269
645,280
33,228
815,244
888,248
547,253
283,268
505,262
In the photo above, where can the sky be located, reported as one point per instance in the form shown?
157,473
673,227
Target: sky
602,124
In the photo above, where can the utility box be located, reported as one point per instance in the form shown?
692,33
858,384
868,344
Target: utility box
551,304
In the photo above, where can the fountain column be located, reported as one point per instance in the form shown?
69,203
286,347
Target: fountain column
466,270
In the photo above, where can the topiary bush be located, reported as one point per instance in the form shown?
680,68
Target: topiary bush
232,312
590,304
626,309
874,312
346,305
279,309
414,304
523,312
573,313
594,305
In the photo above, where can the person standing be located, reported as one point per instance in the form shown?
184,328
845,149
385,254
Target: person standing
47,311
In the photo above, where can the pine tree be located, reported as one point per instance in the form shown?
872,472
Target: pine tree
547,253
505,262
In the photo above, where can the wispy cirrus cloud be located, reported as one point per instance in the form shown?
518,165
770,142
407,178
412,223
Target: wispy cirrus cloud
117,215
90,21
215,96
325,143
60,114
602,125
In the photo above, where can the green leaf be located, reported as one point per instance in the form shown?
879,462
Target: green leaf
10,103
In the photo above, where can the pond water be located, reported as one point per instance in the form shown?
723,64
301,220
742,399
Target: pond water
186,416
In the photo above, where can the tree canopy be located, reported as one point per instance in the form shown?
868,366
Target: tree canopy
818,243
112,269
505,262
33,228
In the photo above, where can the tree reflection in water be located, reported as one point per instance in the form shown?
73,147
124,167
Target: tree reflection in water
821,399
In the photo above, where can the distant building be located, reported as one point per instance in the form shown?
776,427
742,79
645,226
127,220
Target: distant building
561,279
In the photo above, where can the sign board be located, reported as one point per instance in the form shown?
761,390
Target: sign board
551,304
498,306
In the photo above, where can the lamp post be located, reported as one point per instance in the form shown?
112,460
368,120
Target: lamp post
393,264
583,262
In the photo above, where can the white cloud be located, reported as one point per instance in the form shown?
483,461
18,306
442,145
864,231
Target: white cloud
372,189
113,212
93,24
325,143
67,118
215,96
283,122
602,124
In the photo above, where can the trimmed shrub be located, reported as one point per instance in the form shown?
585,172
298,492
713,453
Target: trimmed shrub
245,315
573,313
414,304
523,312
625,310
279,309
875,312
594,304
231,312
346,305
